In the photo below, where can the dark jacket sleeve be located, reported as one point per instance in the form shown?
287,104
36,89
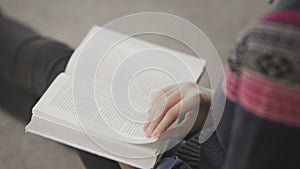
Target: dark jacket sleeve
28,61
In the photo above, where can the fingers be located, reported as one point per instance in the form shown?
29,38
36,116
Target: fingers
166,89
159,103
166,121
156,100
172,101
161,108
172,114
182,129
161,124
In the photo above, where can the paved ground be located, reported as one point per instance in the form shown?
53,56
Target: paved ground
68,21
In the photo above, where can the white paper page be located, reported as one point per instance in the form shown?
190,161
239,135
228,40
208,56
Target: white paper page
80,140
58,103
125,48
116,117
115,106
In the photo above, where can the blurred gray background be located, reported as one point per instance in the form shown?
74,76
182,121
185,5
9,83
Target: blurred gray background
69,20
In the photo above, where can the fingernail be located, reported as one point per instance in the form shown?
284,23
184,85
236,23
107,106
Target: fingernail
146,126
155,133
148,132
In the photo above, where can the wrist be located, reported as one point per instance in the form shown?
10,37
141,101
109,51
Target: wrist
204,107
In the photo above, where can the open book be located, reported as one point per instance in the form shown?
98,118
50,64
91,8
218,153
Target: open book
105,130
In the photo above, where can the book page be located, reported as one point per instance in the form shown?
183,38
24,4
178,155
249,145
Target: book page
108,96
79,140
58,103
99,39
116,93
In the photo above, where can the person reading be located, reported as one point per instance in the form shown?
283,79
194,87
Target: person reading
260,126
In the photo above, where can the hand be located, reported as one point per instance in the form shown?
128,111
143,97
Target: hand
124,166
174,101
